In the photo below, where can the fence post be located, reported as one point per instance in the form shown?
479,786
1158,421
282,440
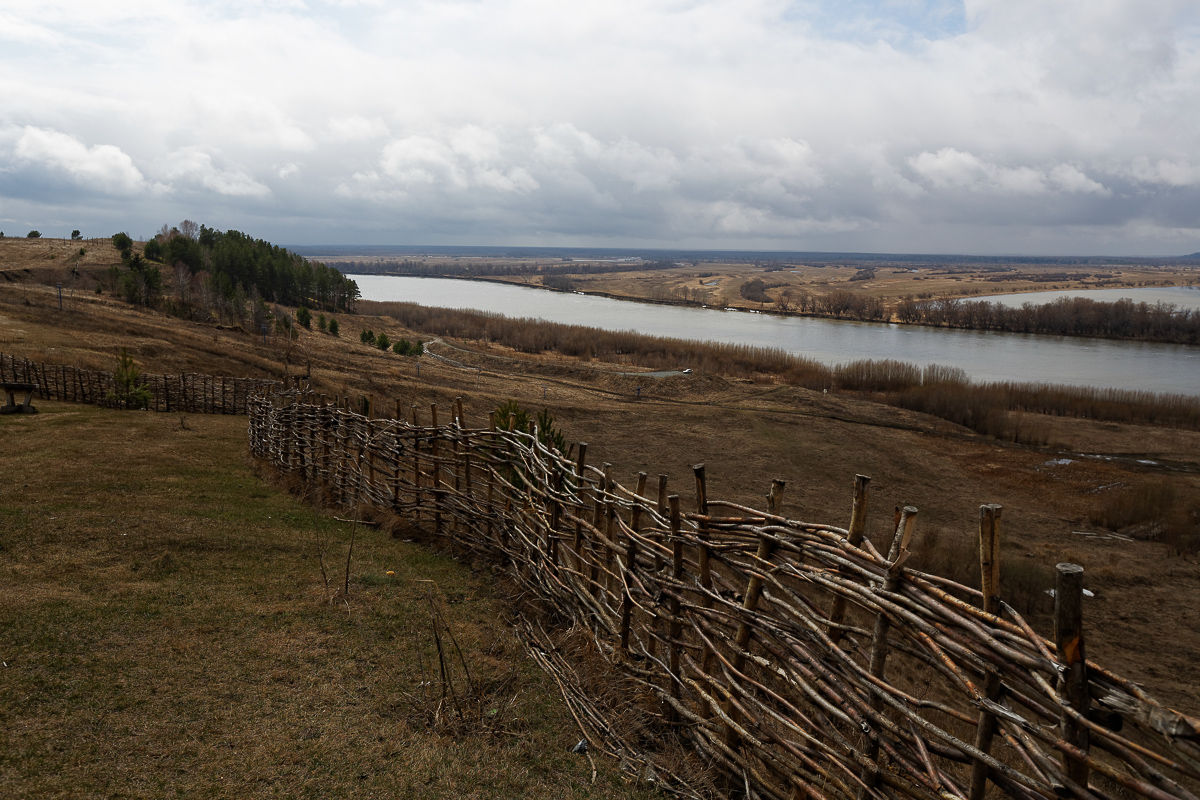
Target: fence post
858,523
580,465
661,508
630,562
675,628
897,554
609,545
750,603
703,554
370,456
989,568
597,515
416,465
1072,684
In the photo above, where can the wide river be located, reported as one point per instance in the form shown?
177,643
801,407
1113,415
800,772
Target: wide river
985,355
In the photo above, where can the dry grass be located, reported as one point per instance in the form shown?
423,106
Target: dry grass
747,433
166,631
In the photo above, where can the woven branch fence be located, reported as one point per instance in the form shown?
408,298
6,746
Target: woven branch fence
186,393
797,657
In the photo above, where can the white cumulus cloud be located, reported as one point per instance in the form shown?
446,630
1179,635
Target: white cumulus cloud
949,168
193,166
102,167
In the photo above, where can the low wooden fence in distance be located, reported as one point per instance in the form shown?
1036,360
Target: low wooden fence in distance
184,393
797,656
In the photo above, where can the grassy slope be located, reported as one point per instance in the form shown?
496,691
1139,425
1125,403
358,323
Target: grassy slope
747,433
166,630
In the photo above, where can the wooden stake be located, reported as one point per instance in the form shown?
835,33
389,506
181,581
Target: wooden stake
435,469
1072,684
989,563
858,524
750,603
897,554
703,556
631,563
580,464
675,629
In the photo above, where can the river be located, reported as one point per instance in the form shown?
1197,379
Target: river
985,355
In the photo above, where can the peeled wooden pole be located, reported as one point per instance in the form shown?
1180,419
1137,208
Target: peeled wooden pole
750,602
580,465
989,568
897,555
1072,683
858,524
675,628
630,563
436,480
418,501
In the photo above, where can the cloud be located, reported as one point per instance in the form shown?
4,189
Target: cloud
355,129
719,122
194,167
1169,172
104,168
952,169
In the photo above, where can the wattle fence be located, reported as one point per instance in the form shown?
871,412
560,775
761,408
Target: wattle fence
795,656
185,393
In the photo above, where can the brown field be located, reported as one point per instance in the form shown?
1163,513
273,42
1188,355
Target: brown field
84,608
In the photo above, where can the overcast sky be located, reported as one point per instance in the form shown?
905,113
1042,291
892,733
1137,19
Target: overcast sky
985,126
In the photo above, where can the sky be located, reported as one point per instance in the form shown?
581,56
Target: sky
1050,127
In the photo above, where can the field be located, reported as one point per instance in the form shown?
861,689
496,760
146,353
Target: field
167,631
203,641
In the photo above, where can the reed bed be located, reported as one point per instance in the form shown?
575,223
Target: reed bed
945,392
188,393
797,657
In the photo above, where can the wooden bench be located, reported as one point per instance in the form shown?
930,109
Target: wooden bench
12,390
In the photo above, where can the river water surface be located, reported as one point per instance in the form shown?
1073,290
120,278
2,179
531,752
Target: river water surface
985,355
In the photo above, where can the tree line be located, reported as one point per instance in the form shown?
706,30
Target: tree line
1066,316
487,269
224,274
234,260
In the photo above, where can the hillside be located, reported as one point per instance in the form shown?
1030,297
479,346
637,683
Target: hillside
746,433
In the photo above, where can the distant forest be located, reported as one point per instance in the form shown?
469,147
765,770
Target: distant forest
224,275
485,269
235,260
1066,316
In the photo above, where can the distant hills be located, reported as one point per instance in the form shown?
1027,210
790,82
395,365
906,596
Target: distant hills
710,256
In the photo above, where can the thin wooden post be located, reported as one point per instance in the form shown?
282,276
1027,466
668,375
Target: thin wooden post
416,464
675,628
435,468
858,524
989,568
703,554
750,603
580,465
631,562
458,409
1072,683
897,555
609,550
661,508
369,457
